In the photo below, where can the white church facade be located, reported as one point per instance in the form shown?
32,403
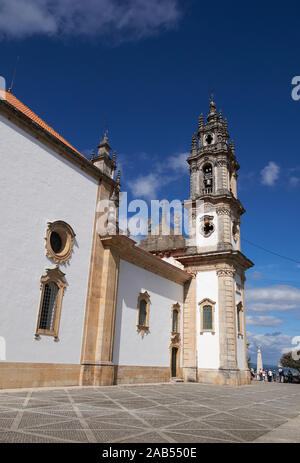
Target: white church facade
80,308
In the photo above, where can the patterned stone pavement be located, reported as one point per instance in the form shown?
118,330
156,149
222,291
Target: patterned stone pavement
183,413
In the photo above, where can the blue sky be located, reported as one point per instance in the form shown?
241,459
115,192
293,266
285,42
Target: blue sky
144,69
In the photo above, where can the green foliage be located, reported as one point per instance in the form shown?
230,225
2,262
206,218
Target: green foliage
288,361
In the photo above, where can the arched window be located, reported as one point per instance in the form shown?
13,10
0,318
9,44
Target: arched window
49,305
207,316
143,313
52,286
207,178
175,321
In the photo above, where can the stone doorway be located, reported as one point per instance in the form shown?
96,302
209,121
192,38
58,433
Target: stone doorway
174,362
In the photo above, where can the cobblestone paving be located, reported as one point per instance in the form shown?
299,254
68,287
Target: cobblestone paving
184,413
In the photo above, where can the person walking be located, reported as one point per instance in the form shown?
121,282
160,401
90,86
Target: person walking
281,375
290,376
263,375
270,375
274,376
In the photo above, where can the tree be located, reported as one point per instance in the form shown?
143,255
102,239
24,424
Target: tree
288,361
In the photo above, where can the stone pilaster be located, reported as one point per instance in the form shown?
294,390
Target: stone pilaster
234,184
96,358
189,332
243,279
222,176
227,319
193,173
224,226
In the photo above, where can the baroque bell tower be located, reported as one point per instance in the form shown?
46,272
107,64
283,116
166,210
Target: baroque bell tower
213,169
214,332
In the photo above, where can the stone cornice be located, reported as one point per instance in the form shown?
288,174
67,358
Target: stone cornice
127,250
36,131
222,199
215,259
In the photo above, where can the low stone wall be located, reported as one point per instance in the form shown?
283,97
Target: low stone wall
137,375
18,374
224,377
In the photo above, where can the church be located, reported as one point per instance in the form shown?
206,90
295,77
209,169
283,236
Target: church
83,308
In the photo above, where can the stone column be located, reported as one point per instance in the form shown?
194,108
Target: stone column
189,366
227,319
222,176
193,174
234,184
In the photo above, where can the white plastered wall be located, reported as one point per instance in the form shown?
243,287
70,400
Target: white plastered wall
205,241
129,346
39,186
208,350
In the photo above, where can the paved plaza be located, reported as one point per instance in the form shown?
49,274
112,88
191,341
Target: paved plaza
173,413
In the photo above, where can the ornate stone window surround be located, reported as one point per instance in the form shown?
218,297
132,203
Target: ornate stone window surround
207,220
64,235
202,304
57,277
143,296
239,314
175,335
236,229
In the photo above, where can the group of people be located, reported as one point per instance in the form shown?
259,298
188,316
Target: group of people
273,375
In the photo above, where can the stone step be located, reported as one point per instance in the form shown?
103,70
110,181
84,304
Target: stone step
176,380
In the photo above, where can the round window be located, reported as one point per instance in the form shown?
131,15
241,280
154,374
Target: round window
59,241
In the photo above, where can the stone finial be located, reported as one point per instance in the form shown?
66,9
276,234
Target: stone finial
128,232
118,176
212,111
114,156
103,147
232,146
221,115
194,142
149,225
92,154
200,120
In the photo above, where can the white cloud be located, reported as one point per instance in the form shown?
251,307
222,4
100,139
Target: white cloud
273,298
255,275
147,186
270,174
294,181
263,320
126,19
178,162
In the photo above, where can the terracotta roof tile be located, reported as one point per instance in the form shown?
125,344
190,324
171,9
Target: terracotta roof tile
13,101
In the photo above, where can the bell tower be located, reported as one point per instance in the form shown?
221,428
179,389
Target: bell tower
215,210
214,332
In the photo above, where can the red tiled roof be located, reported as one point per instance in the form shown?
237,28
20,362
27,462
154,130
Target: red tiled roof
13,101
